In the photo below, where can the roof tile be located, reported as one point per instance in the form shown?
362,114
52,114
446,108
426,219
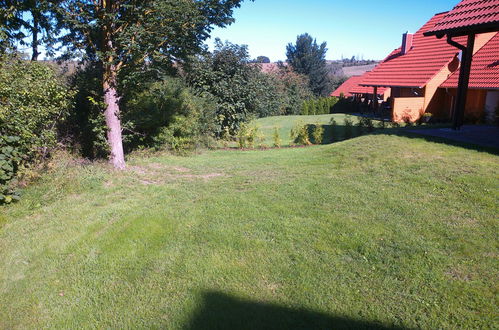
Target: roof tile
468,14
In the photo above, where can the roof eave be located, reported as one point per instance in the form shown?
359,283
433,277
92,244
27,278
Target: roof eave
462,31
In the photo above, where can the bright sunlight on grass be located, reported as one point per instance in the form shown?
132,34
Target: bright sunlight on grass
377,231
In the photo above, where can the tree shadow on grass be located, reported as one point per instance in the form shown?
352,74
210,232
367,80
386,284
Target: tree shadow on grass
339,133
221,311
410,132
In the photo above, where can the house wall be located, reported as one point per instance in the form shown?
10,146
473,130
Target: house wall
407,108
476,101
436,100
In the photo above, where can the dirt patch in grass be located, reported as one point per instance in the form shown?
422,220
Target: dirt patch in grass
155,174
458,275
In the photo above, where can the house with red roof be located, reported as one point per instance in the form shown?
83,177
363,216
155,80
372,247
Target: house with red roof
353,88
421,75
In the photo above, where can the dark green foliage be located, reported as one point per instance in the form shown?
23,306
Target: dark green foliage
344,105
317,133
10,159
348,128
336,81
293,90
167,115
309,58
33,101
319,106
162,114
261,59
86,125
240,89
31,23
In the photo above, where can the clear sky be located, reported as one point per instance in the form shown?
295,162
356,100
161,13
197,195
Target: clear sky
371,29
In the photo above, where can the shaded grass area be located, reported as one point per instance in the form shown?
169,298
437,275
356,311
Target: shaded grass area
378,231
286,123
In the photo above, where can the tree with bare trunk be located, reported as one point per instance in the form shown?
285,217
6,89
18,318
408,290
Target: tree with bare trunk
127,36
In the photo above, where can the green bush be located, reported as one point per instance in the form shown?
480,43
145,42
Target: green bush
10,158
247,136
319,106
348,123
33,102
318,133
168,115
277,138
299,134
240,89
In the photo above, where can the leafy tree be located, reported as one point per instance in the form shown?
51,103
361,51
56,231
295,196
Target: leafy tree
240,89
129,36
262,59
292,88
31,22
309,58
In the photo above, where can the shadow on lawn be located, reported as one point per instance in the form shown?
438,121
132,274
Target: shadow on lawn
409,133
221,311
339,133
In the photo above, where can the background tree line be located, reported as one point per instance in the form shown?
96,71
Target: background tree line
136,81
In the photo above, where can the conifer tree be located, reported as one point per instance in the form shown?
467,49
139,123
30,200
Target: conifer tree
309,58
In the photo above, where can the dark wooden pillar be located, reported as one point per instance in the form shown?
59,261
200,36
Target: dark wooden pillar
464,79
375,99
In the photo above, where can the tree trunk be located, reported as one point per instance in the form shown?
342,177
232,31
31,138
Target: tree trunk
112,114
34,32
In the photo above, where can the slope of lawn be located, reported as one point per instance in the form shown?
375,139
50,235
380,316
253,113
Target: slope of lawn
378,231
284,124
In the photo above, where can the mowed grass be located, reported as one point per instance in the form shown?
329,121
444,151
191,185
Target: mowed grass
284,124
377,231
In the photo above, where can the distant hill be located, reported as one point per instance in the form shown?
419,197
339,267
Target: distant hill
357,70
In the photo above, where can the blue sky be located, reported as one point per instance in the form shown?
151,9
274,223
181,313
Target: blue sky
367,28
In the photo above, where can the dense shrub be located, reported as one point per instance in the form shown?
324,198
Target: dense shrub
318,106
318,133
239,88
300,134
292,90
167,115
33,102
277,138
344,105
159,113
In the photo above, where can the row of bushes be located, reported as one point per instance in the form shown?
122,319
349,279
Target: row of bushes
319,106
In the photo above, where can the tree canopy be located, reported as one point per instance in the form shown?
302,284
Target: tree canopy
126,36
309,58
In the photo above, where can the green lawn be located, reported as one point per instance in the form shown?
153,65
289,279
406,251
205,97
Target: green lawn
377,231
267,126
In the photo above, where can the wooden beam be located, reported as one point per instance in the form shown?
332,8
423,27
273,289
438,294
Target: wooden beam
464,79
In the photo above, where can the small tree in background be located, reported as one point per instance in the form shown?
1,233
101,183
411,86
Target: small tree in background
309,58
262,59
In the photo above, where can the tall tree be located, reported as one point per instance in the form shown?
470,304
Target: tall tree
32,23
127,36
309,58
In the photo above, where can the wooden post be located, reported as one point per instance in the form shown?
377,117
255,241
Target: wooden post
464,79
375,99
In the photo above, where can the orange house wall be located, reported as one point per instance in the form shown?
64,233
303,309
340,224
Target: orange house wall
436,99
407,108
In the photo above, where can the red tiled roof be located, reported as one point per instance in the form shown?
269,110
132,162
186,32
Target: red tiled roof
351,86
484,68
414,69
469,15
347,86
